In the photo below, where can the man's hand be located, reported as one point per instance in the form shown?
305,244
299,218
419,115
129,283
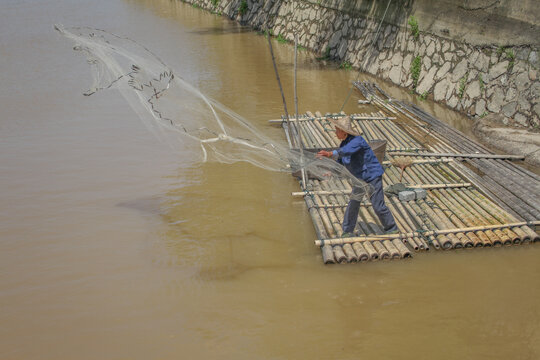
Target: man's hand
324,153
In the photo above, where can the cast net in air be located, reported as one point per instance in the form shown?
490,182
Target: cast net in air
167,104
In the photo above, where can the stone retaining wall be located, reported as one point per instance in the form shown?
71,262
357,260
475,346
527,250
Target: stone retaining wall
475,79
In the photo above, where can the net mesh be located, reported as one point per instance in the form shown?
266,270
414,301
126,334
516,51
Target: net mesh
167,104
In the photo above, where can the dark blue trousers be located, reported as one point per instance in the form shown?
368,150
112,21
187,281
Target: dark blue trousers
377,201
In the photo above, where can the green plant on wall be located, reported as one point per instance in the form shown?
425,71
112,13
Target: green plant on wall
326,55
215,2
511,58
243,8
481,81
462,85
416,65
413,23
423,96
281,39
345,65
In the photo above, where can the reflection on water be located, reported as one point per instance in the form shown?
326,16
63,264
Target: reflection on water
109,237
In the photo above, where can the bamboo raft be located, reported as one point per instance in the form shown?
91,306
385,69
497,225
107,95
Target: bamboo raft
460,209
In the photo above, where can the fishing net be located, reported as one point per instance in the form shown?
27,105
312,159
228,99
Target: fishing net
167,104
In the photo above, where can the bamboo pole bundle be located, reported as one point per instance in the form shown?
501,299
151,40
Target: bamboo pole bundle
440,218
326,250
405,252
457,239
349,253
385,128
402,224
383,253
335,214
373,254
328,254
394,253
399,131
366,239
334,221
502,216
523,234
339,254
361,253
405,223
496,236
328,226
458,219
414,211
428,225
378,134
388,127
498,172
483,238
319,137
329,139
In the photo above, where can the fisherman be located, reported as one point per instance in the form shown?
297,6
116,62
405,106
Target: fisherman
358,157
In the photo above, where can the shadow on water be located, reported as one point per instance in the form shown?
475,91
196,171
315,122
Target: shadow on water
222,30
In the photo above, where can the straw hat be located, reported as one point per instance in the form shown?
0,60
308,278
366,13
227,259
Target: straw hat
344,123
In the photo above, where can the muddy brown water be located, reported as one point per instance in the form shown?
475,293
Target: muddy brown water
115,246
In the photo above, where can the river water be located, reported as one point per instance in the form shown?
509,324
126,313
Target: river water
116,245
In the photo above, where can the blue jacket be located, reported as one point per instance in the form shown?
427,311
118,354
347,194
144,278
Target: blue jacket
356,155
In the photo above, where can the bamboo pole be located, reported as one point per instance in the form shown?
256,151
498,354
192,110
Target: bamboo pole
347,192
373,254
405,252
500,216
349,253
477,214
339,254
351,240
279,81
473,156
355,117
400,213
457,209
326,250
361,253
383,253
413,210
394,253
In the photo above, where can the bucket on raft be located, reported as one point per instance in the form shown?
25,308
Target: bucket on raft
379,148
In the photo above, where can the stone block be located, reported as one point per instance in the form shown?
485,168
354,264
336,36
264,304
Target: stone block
522,81
443,70
498,69
407,195
480,107
509,109
460,70
420,194
473,90
439,93
427,82
520,119
496,100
